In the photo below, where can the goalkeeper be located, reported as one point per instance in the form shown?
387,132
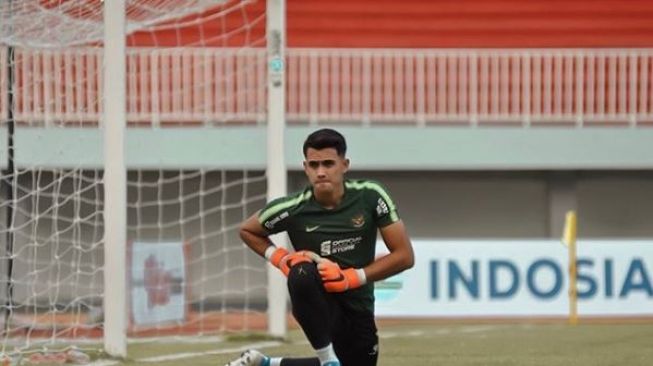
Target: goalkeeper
332,225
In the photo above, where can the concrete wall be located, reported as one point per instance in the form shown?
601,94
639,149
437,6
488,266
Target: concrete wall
427,24
377,148
517,204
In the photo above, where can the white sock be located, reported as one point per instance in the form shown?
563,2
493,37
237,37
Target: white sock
326,354
275,361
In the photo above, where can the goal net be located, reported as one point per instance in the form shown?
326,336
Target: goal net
194,68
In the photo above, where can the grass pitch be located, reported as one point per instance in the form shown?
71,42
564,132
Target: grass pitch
438,344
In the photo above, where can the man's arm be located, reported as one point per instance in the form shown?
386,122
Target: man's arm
401,255
254,235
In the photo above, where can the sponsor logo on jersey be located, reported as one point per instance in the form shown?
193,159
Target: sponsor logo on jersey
325,248
270,224
329,247
381,207
358,220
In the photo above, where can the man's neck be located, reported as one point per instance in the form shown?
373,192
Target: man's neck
330,200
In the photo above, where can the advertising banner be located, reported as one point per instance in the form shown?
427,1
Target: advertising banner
504,278
158,280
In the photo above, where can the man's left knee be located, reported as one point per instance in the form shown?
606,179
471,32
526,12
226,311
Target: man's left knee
303,277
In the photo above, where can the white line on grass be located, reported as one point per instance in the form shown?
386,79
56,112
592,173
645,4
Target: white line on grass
179,356
412,333
477,328
177,340
103,363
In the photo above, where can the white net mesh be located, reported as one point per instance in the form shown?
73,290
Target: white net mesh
190,64
62,23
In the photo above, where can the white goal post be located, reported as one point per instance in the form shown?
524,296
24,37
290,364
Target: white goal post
115,180
276,164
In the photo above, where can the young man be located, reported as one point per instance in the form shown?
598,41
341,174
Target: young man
332,225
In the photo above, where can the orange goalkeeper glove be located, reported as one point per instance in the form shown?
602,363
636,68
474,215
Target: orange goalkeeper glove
336,279
294,259
282,259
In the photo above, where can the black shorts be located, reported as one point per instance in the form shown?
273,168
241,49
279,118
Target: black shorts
354,334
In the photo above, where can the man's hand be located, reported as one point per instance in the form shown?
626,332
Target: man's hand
336,279
284,260
294,259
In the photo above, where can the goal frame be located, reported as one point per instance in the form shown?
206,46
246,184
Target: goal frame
114,125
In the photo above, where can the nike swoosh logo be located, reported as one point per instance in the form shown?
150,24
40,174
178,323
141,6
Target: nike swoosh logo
312,228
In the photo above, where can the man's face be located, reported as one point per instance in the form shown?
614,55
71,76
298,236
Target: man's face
325,169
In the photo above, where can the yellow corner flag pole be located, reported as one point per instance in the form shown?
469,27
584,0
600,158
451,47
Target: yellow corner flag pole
569,239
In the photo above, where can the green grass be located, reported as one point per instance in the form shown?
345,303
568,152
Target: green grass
450,345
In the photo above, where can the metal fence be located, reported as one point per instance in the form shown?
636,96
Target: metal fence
523,87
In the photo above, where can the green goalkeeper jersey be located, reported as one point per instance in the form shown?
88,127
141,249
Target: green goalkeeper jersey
345,234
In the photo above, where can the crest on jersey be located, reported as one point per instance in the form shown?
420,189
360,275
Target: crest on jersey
358,220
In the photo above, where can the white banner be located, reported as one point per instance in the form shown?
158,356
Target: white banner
158,280
520,278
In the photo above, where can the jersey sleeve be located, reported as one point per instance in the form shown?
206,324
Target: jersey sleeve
385,210
275,216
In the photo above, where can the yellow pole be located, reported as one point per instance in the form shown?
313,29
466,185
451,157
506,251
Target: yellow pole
569,239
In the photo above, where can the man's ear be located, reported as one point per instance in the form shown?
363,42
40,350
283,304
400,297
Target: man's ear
305,165
346,164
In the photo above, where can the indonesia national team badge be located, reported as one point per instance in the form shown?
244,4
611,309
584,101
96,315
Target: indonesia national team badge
358,220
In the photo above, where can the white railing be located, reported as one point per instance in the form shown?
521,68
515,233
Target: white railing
365,86
176,85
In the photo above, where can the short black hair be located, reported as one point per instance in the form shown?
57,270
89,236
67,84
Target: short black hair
326,138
